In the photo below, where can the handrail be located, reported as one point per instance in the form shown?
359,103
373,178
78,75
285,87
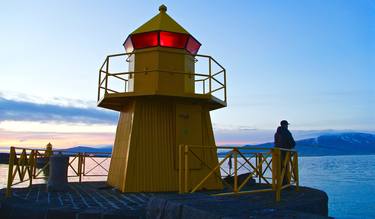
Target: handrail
23,164
276,164
104,86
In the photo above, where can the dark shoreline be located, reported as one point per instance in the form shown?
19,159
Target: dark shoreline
97,200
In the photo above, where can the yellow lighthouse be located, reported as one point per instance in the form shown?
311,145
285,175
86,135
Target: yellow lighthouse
164,92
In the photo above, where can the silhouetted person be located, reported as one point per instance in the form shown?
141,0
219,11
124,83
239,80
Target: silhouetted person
284,140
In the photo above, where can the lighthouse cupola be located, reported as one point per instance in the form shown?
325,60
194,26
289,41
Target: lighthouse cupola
163,52
161,31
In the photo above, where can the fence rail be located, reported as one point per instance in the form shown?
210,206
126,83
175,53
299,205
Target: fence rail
212,79
26,165
275,168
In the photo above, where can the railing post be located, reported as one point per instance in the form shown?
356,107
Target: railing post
106,75
225,86
100,80
235,186
80,167
276,181
31,165
260,164
83,165
289,167
186,168
295,169
210,75
12,156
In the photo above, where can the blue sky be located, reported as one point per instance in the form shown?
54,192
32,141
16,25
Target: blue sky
310,62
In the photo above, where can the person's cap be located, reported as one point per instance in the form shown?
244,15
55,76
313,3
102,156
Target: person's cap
284,122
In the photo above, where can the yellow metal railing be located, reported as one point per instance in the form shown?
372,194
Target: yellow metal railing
212,79
26,164
269,165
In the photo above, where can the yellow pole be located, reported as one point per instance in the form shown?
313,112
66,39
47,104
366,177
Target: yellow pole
225,84
260,170
235,188
80,167
295,168
83,165
289,168
100,78
209,70
186,167
274,167
106,76
276,162
30,164
12,155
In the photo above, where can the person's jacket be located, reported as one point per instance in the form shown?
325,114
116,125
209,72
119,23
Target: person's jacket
284,139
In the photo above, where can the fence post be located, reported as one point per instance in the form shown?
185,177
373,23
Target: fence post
80,167
31,164
289,168
260,164
274,152
235,186
295,169
12,156
276,181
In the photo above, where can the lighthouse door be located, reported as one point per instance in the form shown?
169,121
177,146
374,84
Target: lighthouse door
189,132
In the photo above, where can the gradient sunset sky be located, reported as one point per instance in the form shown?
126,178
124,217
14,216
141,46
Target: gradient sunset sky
310,62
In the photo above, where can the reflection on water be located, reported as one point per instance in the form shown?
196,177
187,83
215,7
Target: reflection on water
348,180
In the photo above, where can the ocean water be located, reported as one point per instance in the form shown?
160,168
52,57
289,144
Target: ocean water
349,182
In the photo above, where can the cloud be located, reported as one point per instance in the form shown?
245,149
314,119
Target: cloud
58,140
19,110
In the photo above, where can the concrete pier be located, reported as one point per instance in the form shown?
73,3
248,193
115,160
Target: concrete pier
96,200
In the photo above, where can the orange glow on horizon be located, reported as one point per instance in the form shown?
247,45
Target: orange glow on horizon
58,140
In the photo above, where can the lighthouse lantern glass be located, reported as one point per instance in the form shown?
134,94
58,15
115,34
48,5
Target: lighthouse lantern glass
143,40
174,40
128,45
163,39
193,45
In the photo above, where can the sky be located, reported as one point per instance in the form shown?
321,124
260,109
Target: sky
310,62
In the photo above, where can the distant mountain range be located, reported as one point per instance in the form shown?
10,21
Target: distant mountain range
351,143
90,149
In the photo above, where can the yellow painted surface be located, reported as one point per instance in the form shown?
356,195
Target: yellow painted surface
164,68
118,165
145,155
161,21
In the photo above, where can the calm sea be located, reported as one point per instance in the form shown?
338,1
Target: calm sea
348,180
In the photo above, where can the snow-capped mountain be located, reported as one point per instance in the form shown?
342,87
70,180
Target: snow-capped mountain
350,143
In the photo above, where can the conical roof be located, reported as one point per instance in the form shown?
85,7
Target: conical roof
161,21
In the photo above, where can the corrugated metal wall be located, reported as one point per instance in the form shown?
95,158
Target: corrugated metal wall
146,147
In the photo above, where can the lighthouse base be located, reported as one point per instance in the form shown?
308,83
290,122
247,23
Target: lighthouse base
145,155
